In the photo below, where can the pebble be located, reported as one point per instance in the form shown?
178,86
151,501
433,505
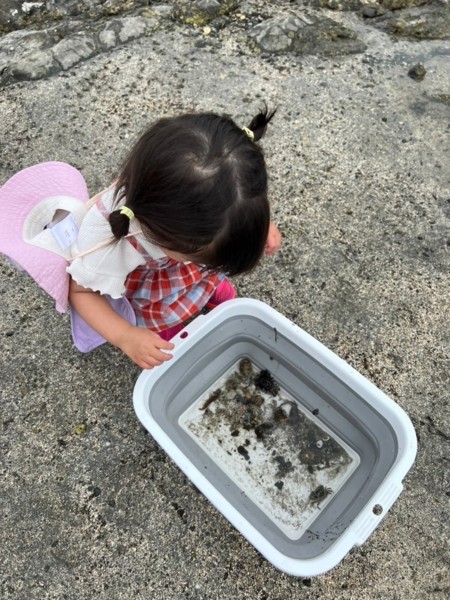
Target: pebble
370,11
417,72
211,7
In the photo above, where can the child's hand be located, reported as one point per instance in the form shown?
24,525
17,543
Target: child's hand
273,241
144,347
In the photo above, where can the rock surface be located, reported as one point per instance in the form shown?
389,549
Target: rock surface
359,163
46,37
306,35
417,24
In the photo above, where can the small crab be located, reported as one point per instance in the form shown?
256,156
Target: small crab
280,416
246,368
319,494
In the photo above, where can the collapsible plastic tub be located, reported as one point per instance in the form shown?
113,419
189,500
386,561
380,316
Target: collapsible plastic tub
301,453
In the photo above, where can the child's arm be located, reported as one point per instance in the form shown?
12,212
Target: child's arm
273,241
143,346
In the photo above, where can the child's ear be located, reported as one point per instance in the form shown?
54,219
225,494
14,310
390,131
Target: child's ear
259,123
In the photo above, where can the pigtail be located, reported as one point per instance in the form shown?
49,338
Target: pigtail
259,123
119,221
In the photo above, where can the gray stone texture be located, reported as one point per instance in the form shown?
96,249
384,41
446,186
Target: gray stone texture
306,35
359,162
71,50
37,54
69,37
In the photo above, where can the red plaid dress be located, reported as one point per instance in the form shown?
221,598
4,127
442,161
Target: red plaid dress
165,292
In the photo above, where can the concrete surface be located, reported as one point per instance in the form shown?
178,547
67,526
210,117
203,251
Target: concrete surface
359,162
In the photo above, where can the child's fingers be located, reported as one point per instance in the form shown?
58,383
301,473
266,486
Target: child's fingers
165,344
161,356
146,348
143,365
152,361
155,358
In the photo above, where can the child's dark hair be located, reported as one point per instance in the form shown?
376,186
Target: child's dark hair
197,184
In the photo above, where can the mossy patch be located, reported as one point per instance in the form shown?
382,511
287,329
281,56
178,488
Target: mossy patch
197,17
80,429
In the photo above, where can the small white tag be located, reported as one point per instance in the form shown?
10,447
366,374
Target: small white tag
65,232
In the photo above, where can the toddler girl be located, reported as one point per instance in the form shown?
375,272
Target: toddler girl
189,206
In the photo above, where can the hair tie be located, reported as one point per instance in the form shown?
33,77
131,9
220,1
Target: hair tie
127,212
249,132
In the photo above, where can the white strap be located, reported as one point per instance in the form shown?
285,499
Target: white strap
102,245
